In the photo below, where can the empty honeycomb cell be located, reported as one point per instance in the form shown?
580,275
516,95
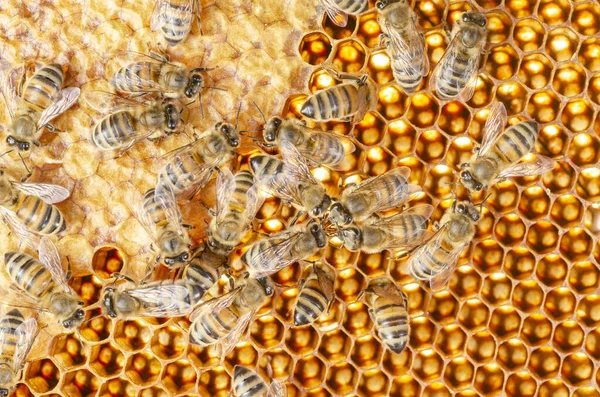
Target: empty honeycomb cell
588,184
552,141
568,336
373,383
423,110
534,203
288,276
427,365
528,296
584,277
392,102
577,369
465,282
584,150
309,372
505,322
339,32
488,256
484,92
371,130
513,95
459,152
512,355
592,344
439,182
431,146
502,62
454,118
378,161
302,340
168,343
417,169
499,26
106,360
244,354
68,352
562,178
339,258
561,44
586,391
21,390
214,382
152,392
178,377
473,315
510,230
536,330
519,263
349,284
586,18
397,364
489,379
341,379
87,287
117,387
529,34
373,265
436,389
349,56
560,304
42,376
576,244
459,373
131,335
587,54
544,362
497,289
80,383
106,261
401,138
142,369
366,352
315,48
405,386
481,347
569,80
379,67
443,307
553,388
504,197
577,115
543,106
282,364
591,219
450,341
567,211
554,12
520,384
542,237
266,332
485,226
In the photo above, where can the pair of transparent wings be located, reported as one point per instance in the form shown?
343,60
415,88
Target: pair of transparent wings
10,80
409,52
48,193
164,300
142,65
494,126
389,291
225,189
25,334
336,15
163,11
403,238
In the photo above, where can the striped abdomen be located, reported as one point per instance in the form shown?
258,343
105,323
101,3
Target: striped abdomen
326,150
184,173
114,131
266,167
311,302
390,189
176,16
41,89
352,7
408,77
9,337
211,328
451,79
155,209
244,180
515,142
432,261
202,274
251,256
405,233
333,103
392,323
247,383
29,275
134,77
39,216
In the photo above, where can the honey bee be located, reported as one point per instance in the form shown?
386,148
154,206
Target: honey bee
270,255
238,199
316,294
224,319
435,260
33,104
345,102
291,181
205,268
28,209
406,45
402,231
247,383
16,338
174,19
456,73
380,193
487,166
389,311
46,283
338,10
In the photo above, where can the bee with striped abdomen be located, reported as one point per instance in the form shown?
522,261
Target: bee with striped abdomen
435,260
500,152
16,338
238,199
456,73
380,193
224,319
174,19
272,254
247,383
45,282
402,231
404,42
316,294
205,268
32,105
389,311
291,181
348,101
338,10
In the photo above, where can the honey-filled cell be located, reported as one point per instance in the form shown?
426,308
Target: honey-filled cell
349,56
520,384
502,62
481,347
42,376
512,354
528,34
315,48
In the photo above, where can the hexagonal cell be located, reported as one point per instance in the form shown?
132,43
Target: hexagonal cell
423,110
512,354
397,364
592,344
405,386
379,67
418,299
168,342
143,369
106,261
67,351
561,44
484,91
302,341
349,56
562,178
585,18
576,244
481,347
586,391
536,330
309,372
402,138
422,333
584,150
459,373
577,115
473,315
510,230
203,357
534,203
266,332
443,307
281,363
454,118
459,152
427,365
117,387
431,146
552,141
543,106
489,379
591,219
529,34
178,377
519,263
80,383
504,197
505,322
392,102
152,392
520,384
373,383
436,389
378,161
560,304
588,184
338,32
499,24
584,277
214,382
132,335
349,283
568,336
528,296
567,211
106,360
593,90
554,12
587,56
339,258
42,376
315,48
488,256
243,354
553,387
450,341
542,237
544,363
465,282
569,80
551,270
371,130
341,379
417,169
497,289
513,95
368,29
502,62
87,287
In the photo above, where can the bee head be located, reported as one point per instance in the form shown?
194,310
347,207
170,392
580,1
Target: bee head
4,392
108,302
317,231
339,215
381,4
320,209
195,84
472,36
468,209
20,145
172,116
75,319
217,247
475,17
272,129
351,237
230,133
469,182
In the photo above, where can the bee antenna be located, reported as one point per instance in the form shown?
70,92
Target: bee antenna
7,152
237,118
201,108
260,111
215,88
25,165
483,202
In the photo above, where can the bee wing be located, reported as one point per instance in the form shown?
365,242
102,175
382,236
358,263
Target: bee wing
229,342
49,193
166,300
26,237
326,281
167,199
320,139
539,166
276,256
215,305
156,21
64,100
392,223
276,389
134,79
15,297
25,333
49,257
9,80
126,58
225,189
494,126
338,17
135,203
389,291
106,102
386,200
254,199
408,51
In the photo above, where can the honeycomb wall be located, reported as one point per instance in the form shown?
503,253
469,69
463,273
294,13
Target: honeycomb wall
519,316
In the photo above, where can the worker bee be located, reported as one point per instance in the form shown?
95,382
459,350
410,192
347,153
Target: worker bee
238,199
338,10
205,268
345,102
28,209
174,19
247,383
456,73
16,338
405,44
435,260
487,166
402,231
316,294
46,283
33,104
224,319
190,167
389,311
291,181
270,255
380,193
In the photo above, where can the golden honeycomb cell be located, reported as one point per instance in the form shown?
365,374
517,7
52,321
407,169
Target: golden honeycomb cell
584,277
552,141
117,387
512,354
214,382
465,283
458,373
349,283
427,365
588,311
560,303
450,341
577,115
542,237
561,44
499,26
338,32
153,392
562,179
431,146
496,289
577,369
341,378
520,384
42,376
396,365
143,369
484,92
585,18
502,62
368,29
568,336
586,391
80,383
569,80
309,372
366,352
266,332
349,56
315,48
473,315
373,383
106,360
392,104
528,296
505,322
68,353
405,386
438,182
554,12
528,34
481,347
168,343
423,110
510,230
576,244
489,379
488,256
178,377
587,54
592,343
302,340
131,335
534,203
422,333
544,362
443,307
553,387
371,130
543,106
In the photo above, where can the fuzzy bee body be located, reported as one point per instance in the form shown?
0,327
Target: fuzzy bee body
174,19
315,296
16,337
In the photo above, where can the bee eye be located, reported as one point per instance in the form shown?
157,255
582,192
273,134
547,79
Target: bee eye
24,146
381,4
478,186
466,175
224,129
185,257
277,122
314,228
79,314
10,140
67,323
169,261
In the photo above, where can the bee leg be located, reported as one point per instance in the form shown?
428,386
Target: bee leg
52,128
296,218
26,169
384,41
188,227
69,272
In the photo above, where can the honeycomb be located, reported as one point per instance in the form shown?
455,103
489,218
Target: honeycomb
520,315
